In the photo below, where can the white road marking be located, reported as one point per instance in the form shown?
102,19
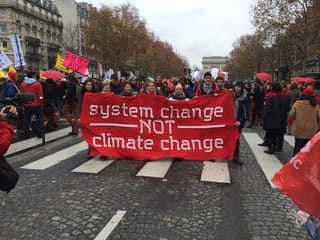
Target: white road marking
215,172
31,142
269,163
52,159
156,169
107,230
289,139
95,165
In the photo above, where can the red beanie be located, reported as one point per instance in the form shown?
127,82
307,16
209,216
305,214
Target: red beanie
13,76
308,92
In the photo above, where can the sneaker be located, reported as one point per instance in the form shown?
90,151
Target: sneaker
263,144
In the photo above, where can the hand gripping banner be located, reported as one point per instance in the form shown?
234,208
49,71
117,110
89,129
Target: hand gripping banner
151,127
300,178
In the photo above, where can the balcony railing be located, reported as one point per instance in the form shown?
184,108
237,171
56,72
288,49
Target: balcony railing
32,40
34,56
30,11
53,46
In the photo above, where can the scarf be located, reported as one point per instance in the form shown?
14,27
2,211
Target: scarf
207,88
29,80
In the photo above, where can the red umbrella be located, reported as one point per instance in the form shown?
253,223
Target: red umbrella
301,79
52,74
264,76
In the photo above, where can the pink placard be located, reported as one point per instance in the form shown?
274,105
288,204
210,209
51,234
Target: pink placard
75,62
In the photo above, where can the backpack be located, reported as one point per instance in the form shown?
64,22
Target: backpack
8,176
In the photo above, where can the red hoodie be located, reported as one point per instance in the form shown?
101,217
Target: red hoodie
34,88
6,132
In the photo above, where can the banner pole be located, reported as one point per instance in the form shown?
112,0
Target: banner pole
21,66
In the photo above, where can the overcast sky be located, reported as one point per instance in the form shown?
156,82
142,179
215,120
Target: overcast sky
195,28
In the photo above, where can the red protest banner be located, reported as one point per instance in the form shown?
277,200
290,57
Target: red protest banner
152,127
75,62
300,178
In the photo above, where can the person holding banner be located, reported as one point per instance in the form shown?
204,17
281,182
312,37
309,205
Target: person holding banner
220,84
240,99
178,93
88,86
151,89
208,87
106,85
127,89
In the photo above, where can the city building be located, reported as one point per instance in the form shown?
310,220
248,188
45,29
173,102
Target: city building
75,18
209,63
39,25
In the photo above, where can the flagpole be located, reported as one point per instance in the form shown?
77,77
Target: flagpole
21,66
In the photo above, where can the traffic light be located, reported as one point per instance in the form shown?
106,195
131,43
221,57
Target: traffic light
276,71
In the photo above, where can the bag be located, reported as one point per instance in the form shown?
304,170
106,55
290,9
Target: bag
8,176
313,227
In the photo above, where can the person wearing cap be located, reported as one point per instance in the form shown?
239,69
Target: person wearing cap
305,113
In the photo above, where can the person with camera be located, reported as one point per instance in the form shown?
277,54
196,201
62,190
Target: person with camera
8,176
6,128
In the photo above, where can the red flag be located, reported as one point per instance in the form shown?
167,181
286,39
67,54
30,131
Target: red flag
300,178
152,127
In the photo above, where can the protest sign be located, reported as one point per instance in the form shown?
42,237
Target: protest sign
151,127
17,51
75,62
300,178
4,60
59,65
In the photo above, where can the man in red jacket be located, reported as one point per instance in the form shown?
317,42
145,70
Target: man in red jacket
31,85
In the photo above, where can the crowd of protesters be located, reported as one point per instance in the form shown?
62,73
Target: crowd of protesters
278,107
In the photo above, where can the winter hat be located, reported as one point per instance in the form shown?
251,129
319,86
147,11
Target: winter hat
308,92
276,87
239,83
13,76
